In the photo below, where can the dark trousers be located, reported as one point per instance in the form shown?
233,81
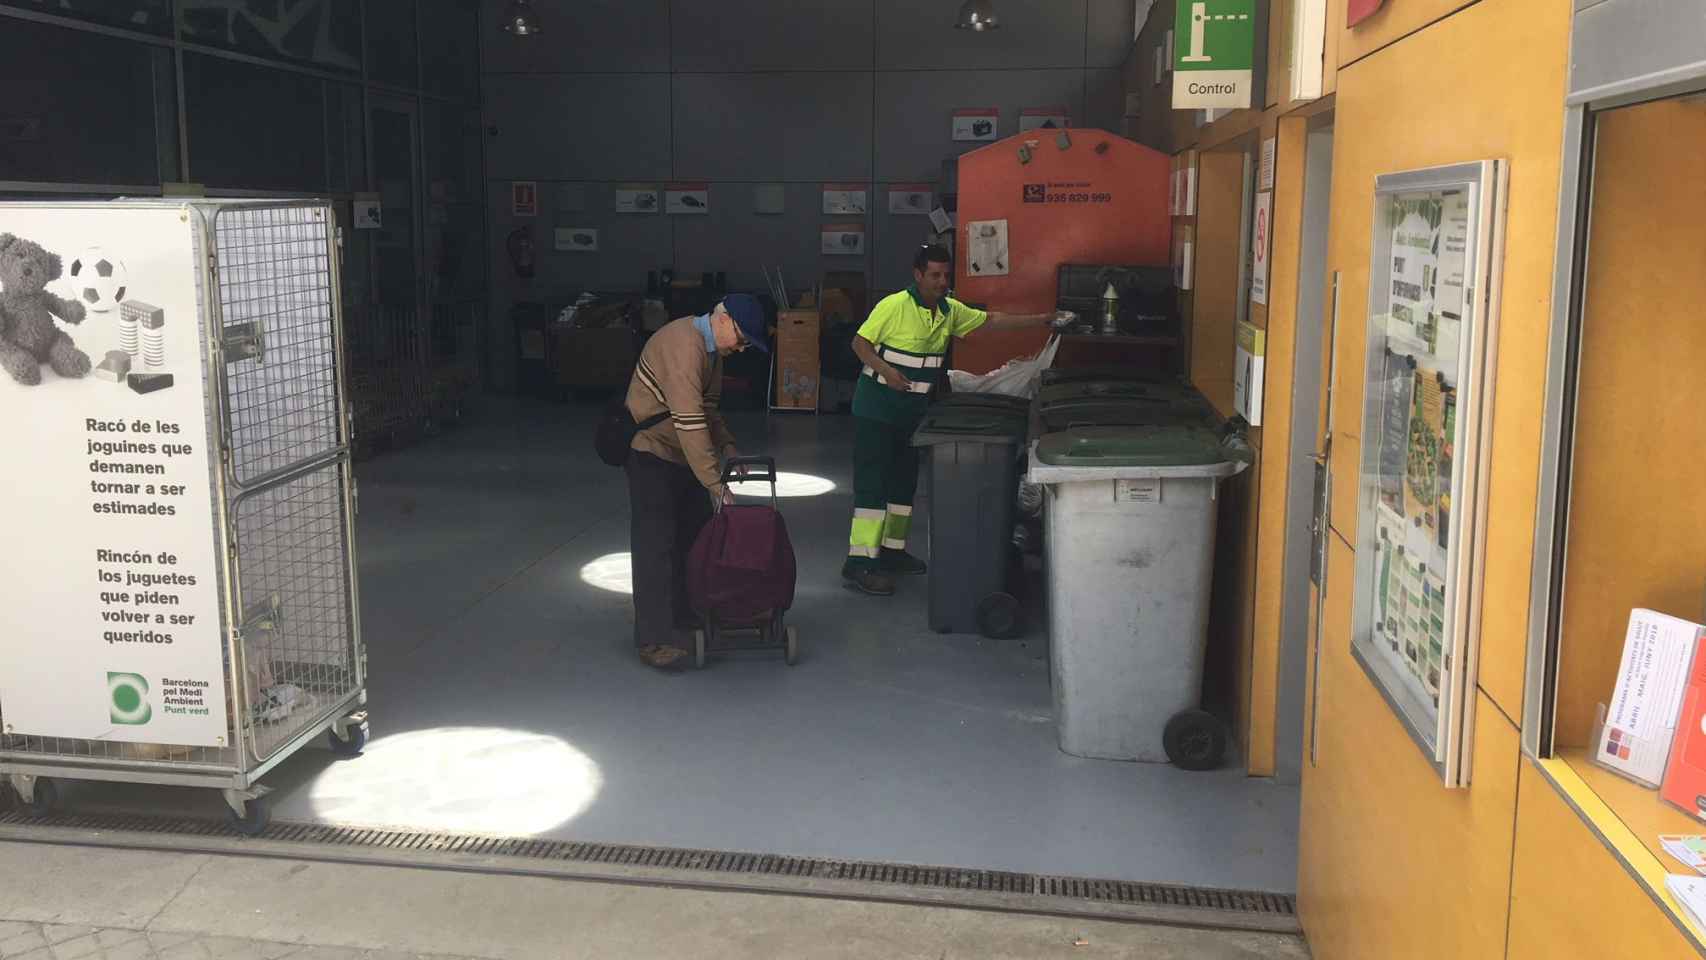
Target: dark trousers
667,508
885,477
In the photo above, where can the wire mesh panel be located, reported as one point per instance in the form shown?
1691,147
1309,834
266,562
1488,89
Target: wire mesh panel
275,296
299,648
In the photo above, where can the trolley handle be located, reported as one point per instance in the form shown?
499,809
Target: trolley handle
740,468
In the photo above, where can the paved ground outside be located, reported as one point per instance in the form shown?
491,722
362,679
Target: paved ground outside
68,903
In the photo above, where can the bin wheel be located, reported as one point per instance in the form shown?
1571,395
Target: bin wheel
1195,740
45,801
699,649
256,815
998,616
352,747
791,654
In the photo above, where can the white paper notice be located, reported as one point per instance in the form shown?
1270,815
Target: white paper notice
110,623
576,239
1688,849
843,199
1265,170
636,200
1657,652
989,254
1262,231
911,200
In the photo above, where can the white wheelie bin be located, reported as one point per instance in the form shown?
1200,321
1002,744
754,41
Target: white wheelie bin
1130,519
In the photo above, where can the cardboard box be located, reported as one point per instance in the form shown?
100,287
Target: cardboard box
797,374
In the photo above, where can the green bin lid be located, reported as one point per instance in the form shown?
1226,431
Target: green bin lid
992,401
1113,389
1089,413
1141,446
1054,375
948,424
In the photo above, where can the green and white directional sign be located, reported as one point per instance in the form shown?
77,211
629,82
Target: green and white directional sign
1214,44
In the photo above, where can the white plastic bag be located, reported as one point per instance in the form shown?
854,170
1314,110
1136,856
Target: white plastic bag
1018,378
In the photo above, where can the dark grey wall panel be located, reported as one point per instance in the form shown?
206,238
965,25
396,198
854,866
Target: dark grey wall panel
562,127
773,126
826,128
1034,34
1104,101
898,238
711,36
725,126
734,239
915,111
581,36
1110,33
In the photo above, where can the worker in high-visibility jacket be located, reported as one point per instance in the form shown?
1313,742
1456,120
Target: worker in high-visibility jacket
904,346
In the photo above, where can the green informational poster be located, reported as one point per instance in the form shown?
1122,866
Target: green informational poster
1214,43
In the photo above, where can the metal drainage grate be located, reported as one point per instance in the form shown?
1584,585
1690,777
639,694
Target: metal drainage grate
1118,893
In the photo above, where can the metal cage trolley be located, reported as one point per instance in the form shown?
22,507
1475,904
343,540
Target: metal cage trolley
186,613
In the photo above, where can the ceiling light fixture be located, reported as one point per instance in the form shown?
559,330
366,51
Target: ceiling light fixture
521,19
978,15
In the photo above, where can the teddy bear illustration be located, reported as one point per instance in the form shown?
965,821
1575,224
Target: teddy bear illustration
28,337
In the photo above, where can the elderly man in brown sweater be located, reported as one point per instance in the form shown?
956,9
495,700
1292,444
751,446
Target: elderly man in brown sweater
675,469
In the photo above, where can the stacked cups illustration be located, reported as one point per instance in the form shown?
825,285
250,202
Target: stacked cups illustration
139,321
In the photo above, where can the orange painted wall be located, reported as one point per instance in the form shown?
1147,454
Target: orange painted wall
1133,228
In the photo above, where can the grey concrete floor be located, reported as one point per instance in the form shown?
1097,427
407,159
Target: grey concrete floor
506,699
125,905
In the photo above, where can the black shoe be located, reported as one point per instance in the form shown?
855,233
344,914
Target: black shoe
903,564
868,581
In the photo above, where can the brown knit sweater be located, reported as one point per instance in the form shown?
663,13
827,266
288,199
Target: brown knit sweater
676,373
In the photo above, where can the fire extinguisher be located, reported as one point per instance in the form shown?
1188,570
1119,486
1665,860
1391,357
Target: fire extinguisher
520,245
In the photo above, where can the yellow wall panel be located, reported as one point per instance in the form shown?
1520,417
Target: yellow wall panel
1570,897
1271,530
1391,864
1637,529
1220,182
1399,18
1485,99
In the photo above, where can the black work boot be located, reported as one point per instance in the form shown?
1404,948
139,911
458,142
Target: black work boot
868,580
902,564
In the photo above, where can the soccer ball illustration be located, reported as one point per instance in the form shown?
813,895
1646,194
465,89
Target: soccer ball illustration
98,279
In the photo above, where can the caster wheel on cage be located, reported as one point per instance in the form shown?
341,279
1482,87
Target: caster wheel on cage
353,744
791,653
1194,740
253,822
699,649
998,617
45,802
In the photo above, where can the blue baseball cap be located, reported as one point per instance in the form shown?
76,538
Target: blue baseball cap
748,315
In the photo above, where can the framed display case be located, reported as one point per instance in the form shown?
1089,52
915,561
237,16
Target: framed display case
1431,333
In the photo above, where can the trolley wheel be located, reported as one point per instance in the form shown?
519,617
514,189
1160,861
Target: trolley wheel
699,649
791,653
45,801
352,747
998,616
1194,740
253,822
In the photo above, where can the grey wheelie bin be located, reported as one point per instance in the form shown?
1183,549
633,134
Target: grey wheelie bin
1066,406
1129,522
987,401
974,465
